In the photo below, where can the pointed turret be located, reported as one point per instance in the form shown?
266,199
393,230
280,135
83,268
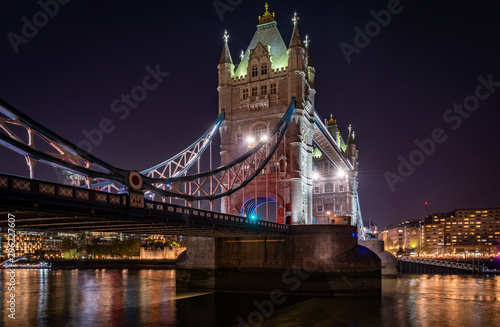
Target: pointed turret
352,149
295,40
225,57
225,63
311,71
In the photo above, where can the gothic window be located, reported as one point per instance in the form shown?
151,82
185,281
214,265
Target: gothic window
328,188
255,71
259,130
341,188
316,189
263,70
337,207
239,138
263,90
273,88
245,93
255,91
320,208
328,207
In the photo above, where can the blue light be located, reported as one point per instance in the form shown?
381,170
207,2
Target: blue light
353,235
253,217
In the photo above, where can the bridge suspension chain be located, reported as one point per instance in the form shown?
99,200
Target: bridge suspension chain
225,180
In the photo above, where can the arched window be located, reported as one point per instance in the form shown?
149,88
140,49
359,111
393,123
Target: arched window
263,69
255,71
328,188
258,131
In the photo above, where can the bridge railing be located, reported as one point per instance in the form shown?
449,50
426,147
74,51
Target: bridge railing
450,264
166,208
22,184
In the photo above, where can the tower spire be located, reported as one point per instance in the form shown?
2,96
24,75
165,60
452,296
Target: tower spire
295,41
225,57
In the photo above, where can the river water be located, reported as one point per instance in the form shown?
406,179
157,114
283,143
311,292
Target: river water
147,297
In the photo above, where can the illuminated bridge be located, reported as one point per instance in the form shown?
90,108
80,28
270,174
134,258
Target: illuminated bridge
124,201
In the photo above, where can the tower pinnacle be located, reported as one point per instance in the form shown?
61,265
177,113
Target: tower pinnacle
225,57
267,18
295,41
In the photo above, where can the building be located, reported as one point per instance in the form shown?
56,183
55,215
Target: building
254,94
405,236
26,243
335,192
462,231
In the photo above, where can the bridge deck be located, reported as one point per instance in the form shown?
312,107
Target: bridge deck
50,206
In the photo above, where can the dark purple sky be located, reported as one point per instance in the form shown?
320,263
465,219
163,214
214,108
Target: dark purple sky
395,90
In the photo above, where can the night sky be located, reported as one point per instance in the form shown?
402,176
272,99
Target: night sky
401,85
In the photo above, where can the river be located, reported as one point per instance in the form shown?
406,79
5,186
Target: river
145,297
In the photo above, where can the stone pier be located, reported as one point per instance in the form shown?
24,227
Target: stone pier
316,260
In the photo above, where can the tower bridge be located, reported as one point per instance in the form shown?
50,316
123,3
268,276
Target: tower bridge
282,170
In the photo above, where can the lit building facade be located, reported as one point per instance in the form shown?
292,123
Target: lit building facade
334,191
462,230
406,236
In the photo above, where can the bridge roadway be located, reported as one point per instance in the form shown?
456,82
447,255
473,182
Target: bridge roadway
40,205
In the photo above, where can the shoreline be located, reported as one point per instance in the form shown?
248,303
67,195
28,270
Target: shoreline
101,264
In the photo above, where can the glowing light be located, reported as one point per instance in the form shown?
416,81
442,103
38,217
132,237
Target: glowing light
264,138
250,139
315,176
341,174
253,216
328,212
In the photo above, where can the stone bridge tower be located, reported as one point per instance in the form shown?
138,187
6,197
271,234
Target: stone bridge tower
255,93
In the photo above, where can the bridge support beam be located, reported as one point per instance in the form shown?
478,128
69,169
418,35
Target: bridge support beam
312,260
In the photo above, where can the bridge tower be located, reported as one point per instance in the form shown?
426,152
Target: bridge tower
255,93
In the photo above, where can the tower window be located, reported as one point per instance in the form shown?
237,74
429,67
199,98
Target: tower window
341,188
259,130
273,88
245,93
255,91
263,70
239,138
255,71
328,188
263,90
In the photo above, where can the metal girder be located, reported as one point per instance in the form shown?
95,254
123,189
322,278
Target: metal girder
64,155
227,179
178,164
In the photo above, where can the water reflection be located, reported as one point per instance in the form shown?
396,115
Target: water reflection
148,298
